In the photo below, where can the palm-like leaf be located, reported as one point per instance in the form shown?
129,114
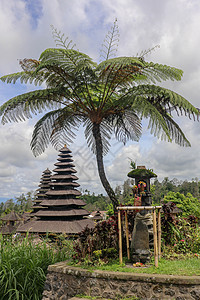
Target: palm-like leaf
153,102
127,126
23,106
57,127
105,132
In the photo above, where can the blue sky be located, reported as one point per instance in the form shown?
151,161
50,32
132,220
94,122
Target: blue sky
25,32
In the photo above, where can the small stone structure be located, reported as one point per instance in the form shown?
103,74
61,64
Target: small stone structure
63,282
142,236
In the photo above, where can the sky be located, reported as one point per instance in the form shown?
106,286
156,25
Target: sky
25,31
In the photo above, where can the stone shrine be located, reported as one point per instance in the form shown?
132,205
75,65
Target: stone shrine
142,236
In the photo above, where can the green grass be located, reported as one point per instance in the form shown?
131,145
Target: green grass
23,267
187,267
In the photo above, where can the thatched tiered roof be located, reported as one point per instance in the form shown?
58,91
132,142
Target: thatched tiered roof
41,192
61,211
10,223
12,216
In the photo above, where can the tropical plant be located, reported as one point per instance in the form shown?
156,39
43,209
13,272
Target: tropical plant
188,204
23,266
110,97
98,242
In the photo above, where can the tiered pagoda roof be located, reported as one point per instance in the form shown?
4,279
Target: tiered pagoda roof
41,192
61,211
10,223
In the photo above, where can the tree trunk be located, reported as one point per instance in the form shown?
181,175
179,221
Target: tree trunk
102,175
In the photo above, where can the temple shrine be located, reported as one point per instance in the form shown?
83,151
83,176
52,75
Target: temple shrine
61,210
142,236
41,192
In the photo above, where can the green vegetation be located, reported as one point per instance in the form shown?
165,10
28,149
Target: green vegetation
188,204
141,172
19,204
110,97
23,267
187,266
161,189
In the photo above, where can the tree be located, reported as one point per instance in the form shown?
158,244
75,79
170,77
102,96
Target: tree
110,97
187,203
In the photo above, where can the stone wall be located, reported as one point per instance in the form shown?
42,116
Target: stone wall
64,282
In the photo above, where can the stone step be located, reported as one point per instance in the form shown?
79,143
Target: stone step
77,298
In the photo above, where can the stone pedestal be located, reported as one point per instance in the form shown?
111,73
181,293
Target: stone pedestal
140,251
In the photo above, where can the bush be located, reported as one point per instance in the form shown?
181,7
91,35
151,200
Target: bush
181,233
97,243
23,267
188,204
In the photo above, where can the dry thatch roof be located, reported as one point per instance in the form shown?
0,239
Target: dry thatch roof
61,213
62,202
68,176
69,227
8,229
63,183
60,170
65,163
12,216
63,192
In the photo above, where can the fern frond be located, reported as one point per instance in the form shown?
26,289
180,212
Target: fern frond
29,64
109,48
61,40
105,130
23,106
152,102
143,53
125,63
24,78
56,127
68,59
165,98
68,67
127,126
118,73
158,72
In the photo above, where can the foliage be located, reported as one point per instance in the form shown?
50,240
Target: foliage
141,172
161,189
97,243
188,204
23,267
95,202
111,97
19,204
183,234
189,266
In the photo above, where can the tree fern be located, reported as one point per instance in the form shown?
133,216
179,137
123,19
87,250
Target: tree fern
111,97
109,48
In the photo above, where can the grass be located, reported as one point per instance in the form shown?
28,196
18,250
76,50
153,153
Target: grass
189,267
23,267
